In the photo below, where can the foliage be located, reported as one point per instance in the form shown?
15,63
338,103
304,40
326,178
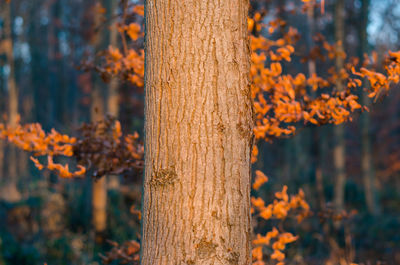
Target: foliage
101,146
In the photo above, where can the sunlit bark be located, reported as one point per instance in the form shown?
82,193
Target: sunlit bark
198,131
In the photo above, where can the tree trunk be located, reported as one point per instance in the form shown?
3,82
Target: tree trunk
11,192
99,186
113,95
198,131
99,204
366,158
339,152
315,141
113,86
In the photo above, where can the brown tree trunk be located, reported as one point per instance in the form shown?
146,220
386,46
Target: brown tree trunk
339,152
113,93
11,192
196,204
99,186
99,204
366,158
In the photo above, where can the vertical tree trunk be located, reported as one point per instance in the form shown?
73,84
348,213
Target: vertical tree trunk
99,186
315,141
196,204
339,155
11,192
99,204
366,158
113,93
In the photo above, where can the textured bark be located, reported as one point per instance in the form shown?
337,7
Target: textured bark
198,131
11,192
366,158
339,152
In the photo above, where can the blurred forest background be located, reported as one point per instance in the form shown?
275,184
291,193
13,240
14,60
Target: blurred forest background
48,53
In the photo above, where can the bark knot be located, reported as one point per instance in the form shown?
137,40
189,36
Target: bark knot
233,258
206,249
164,177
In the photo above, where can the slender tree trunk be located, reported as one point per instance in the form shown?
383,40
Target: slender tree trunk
113,94
339,152
315,141
99,204
99,186
196,204
11,192
366,158
113,86
27,102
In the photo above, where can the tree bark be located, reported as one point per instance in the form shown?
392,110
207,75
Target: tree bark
339,152
198,131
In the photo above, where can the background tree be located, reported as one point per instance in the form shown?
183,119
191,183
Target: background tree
339,156
10,191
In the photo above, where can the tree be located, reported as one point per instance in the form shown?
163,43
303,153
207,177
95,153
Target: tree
316,142
196,204
339,155
113,93
98,109
366,157
10,192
